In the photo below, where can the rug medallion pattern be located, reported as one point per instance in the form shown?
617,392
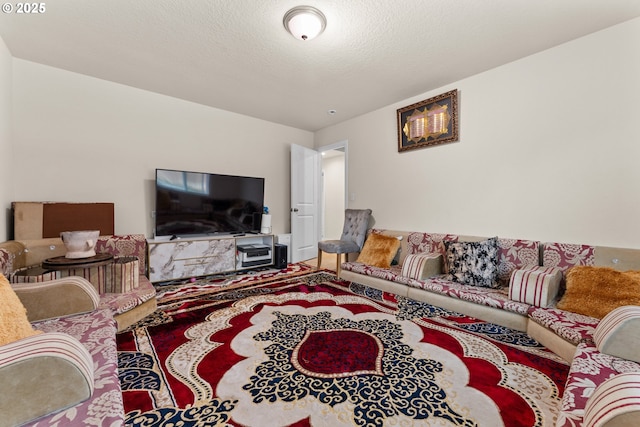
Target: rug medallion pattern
313,350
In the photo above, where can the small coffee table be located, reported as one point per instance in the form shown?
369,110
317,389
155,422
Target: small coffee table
61,263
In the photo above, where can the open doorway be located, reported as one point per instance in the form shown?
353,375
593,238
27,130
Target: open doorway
333,191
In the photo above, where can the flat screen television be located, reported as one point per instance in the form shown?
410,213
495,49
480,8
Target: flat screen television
195,203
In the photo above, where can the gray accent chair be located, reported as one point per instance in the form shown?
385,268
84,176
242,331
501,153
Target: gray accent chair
354,233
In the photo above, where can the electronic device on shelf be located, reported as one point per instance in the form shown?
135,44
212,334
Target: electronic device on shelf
196,203
254,254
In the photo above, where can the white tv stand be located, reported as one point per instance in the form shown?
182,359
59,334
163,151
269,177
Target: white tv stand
186,257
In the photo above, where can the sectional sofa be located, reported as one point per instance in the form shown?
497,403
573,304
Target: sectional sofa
528,279
79,318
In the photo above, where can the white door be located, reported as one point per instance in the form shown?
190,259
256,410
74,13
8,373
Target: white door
305,179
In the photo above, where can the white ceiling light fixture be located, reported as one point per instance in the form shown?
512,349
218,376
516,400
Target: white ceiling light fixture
304,22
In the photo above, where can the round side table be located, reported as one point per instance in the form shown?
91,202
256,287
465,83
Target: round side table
94,268
63,263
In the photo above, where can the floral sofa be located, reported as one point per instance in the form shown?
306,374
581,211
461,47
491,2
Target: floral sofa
83,311
528,280
18,257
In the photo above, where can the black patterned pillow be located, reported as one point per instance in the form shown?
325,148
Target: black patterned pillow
473,263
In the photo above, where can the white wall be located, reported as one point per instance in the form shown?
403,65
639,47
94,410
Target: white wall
549,150
333,182
81,139
6,154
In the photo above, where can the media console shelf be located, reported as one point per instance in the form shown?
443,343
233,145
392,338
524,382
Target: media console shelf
187,257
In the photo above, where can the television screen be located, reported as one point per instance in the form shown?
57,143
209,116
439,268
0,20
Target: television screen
192,203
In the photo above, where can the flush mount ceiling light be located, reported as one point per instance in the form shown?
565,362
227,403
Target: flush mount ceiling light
304,22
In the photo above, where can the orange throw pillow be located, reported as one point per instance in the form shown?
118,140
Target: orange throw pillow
379,250
596,291
14,324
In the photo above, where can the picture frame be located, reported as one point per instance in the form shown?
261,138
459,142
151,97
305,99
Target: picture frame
433,121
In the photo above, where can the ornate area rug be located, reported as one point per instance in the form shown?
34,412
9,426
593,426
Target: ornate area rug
308,350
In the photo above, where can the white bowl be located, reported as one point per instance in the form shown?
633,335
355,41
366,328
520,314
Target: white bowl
80,244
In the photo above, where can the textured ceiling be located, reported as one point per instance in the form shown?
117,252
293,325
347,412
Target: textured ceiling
236,55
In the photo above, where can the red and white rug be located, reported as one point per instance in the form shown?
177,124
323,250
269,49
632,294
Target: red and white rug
310,350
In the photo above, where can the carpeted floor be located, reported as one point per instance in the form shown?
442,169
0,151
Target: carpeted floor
299,348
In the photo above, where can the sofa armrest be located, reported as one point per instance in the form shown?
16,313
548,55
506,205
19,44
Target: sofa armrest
618,333
12,257
56,298
42,374
615,402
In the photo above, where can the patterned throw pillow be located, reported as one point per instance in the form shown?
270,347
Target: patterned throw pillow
473,263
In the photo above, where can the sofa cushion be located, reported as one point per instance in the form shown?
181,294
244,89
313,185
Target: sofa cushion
392,273
535,285
473,263
120,303
617,398
421,266
14,324
418,242
572,327
567,255
514,254
596,291
490,297
618,333
126,245
379,250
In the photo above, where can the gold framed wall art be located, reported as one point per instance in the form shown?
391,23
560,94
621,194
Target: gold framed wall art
433,121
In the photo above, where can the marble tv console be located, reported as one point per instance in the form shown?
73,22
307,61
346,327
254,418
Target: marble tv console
186,257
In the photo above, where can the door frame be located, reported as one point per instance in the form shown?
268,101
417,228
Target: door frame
343,144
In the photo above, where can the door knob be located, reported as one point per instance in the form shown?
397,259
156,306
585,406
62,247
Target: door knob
294,210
